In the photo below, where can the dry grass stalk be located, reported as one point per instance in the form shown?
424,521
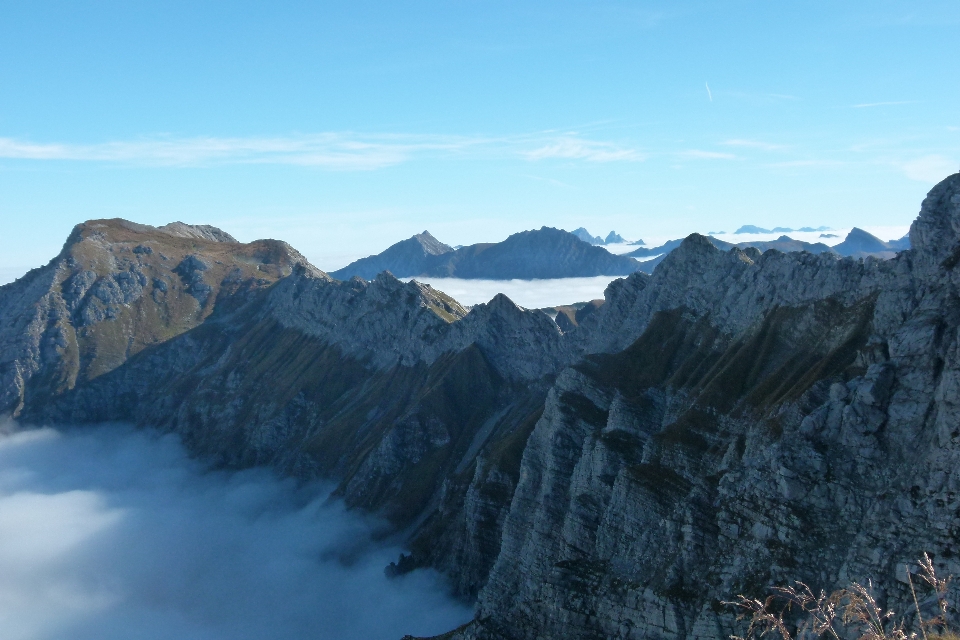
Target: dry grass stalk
796,613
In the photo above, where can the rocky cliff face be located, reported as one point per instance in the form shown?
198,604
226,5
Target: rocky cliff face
116,289
733,420
774,417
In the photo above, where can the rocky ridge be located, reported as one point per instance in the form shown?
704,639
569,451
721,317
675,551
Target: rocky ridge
773,417
408,257
857,244
542,253
254,356
736,418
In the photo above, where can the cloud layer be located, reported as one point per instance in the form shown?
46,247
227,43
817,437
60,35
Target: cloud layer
109,533
532,294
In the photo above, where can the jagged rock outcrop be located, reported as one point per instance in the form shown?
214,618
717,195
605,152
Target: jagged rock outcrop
613,238
773,417
586,236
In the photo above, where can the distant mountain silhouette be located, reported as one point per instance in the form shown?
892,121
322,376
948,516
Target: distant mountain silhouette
783,243
612,238
543,253
412,256
859,243
585,235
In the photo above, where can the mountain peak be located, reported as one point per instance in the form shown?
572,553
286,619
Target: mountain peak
586,236
936,230
431,245
613,238
859,242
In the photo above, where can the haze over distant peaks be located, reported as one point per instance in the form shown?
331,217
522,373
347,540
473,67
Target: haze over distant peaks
858,244
749,228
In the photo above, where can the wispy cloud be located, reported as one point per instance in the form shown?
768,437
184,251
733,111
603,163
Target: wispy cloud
573,148
930,169
333,151
328,150
698,154
754,144
867,105
709,93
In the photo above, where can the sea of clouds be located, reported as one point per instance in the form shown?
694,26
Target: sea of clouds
111,532
532,294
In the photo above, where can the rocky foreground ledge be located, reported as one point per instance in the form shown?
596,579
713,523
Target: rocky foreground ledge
735,420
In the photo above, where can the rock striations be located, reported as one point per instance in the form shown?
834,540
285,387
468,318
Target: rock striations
746,420
733,420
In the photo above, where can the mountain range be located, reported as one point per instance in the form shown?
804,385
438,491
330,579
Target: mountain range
554,253
542,253
736,420
858,243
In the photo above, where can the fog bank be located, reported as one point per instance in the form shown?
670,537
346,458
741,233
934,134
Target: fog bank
110,533
532,294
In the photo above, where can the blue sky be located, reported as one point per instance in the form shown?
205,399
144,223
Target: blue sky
343,127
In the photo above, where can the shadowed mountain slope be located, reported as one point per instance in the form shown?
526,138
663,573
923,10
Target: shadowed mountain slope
746,419
253,356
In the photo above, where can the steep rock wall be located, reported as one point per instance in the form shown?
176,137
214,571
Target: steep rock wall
775,417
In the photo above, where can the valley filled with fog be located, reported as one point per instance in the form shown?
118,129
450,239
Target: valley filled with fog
111,532
532,294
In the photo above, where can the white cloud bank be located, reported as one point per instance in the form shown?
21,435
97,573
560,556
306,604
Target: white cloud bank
109,533
532,294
